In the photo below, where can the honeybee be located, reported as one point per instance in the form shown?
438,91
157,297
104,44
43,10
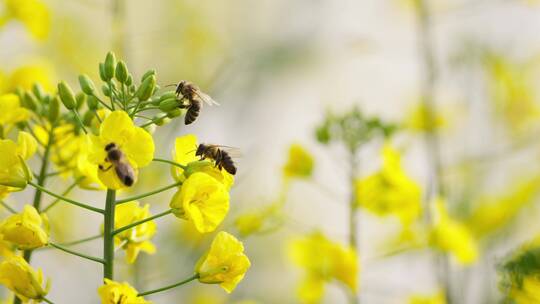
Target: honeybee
221,157
194,97
122,168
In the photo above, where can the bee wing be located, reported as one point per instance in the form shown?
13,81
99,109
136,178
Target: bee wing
233,152
206,99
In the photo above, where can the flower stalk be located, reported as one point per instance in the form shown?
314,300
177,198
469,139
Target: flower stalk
194,277
119,230
108,236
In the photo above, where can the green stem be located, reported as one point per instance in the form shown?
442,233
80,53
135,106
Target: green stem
67,200
152,121
79,120
194,277
66,192
102,102
169,162
353,211
119,230
82,255
108,237
77,242
136,197
8,207
47,300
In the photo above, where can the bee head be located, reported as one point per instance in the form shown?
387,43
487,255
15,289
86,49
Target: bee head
110,147
200,150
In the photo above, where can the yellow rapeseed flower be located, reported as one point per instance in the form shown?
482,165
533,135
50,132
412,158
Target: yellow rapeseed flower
34,14
390,191
224,264
119,293
26,230
14,172
134,142
137,238
11,111
299,164
184,154
452,236
202,200
323,260
19,277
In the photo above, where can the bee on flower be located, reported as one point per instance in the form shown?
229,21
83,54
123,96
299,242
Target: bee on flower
120,149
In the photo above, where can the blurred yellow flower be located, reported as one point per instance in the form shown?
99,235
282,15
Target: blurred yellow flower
11,111
34,14
452,236
512,87
184,154
202,200
19,277
26,230
26,76
416,119
528,292
69,153
134,142
390,191
323,260
137,238
299,163
119,293
421,299
495,212
6,249
224,264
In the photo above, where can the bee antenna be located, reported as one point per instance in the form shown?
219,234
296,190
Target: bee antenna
171,85
191,151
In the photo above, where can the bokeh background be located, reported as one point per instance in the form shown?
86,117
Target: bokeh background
277,68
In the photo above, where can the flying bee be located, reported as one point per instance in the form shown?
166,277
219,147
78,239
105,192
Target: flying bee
122,168
194,98
221,157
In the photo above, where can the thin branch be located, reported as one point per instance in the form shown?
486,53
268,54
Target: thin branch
67,200
136,197
119,230
82,255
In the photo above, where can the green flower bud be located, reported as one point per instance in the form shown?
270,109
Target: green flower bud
175,113
121,71
38,91
146,88
92,103
167,95
129,80
81,99
88,117
148,74
29,101
161,120
109,66
66,95
87,85
102,72
54,109
106,91
168,104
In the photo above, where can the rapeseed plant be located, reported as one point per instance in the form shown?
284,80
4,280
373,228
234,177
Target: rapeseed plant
101,142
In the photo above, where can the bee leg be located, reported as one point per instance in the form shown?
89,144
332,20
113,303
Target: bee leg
103,168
